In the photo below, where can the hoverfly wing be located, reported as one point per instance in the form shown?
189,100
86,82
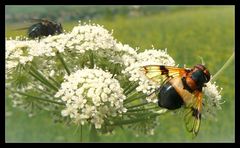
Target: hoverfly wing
192,117
27,24
23,28
36,20
43,21
160,73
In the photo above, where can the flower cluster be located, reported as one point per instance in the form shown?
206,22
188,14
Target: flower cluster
212,99
91,95
90,37
148,57
17,52
81,39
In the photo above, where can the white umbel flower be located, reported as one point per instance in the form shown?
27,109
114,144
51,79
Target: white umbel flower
90,37
81,39
18,52
212,99
91,95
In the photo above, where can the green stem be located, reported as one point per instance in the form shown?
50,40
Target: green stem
128,86
56,82
81,133
138,110
137,105
223,67
137,114
134,97
93,136
114,71
45,92
91,59
41,78
63,63
38,98
132,87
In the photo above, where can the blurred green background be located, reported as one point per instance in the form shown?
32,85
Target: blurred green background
187,31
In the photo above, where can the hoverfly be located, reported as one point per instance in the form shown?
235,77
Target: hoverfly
181,87
43,27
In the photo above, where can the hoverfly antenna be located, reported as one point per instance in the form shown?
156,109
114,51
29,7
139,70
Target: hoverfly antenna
202,61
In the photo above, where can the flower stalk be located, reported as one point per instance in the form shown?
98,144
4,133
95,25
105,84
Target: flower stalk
35,73
91,59
93,136
130,89
63,63
138,105
228,62
145,109
81,134
134,96
38,98
55,81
